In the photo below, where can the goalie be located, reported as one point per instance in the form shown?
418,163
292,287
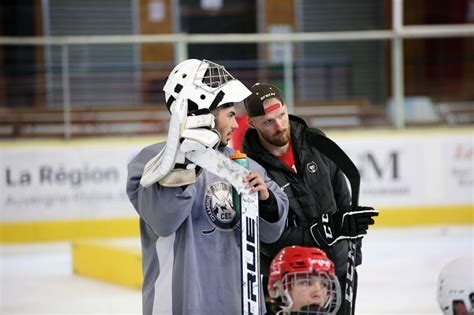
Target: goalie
188,226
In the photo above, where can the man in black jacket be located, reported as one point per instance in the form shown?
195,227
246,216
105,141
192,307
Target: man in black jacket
320,213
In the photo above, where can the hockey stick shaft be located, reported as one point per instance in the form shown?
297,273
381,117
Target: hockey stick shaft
246,205
345,164
250,262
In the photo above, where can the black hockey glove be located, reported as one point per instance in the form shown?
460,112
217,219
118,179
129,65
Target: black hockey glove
347,223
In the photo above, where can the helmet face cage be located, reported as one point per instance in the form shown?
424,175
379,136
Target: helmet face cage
460,307
310,293
211,76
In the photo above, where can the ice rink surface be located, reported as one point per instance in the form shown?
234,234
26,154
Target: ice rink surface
398,275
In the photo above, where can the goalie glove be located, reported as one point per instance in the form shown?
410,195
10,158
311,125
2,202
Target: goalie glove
347,223
169,167
185,172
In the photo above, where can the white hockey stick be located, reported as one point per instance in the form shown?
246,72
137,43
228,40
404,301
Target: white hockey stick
224,167
250,254
219,164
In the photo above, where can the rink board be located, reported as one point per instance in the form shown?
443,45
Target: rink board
115,261
62,190
129,227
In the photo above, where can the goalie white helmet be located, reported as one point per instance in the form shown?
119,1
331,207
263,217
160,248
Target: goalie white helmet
193,89
205,84
456,287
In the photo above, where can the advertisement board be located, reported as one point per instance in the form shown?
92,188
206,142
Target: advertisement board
66,180
414,170
63,181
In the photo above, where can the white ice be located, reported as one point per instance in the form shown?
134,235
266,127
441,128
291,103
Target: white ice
398,275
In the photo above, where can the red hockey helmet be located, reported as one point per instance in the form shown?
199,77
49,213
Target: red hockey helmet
295,261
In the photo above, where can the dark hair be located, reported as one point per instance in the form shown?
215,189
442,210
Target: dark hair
225,105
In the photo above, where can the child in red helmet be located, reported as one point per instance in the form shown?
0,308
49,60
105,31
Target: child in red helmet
303,279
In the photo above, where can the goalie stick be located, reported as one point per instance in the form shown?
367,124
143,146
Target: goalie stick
249,222
224,167
345,164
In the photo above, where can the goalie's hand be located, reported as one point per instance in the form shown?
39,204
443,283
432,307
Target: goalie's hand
169,166
184,172
192,140
198,139
256,183
347,223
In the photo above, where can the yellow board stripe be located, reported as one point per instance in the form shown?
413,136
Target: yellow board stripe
68,230
129,227
402,217
102,261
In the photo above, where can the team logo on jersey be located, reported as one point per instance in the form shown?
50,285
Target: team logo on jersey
312,167
219,207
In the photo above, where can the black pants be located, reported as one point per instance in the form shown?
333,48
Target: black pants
272,307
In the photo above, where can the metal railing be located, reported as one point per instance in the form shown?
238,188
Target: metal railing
396,35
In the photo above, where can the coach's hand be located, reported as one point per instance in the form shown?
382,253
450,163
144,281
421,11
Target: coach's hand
347,223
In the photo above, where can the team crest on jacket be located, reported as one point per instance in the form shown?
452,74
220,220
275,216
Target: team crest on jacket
219,206
312,167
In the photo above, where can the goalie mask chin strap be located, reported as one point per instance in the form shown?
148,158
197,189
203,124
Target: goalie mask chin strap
216,100
219,97
169,102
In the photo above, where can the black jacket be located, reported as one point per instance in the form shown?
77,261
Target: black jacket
319,187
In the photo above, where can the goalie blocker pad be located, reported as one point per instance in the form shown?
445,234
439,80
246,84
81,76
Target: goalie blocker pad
160,165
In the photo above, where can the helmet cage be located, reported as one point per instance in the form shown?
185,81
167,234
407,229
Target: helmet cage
326,282
211,76
204,84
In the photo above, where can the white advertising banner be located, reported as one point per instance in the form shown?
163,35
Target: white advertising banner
404,170
53,181
457,168
44,181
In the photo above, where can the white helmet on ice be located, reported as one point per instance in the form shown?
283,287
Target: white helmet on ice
205,84
456,287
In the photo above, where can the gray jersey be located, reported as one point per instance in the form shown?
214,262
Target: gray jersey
191,242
